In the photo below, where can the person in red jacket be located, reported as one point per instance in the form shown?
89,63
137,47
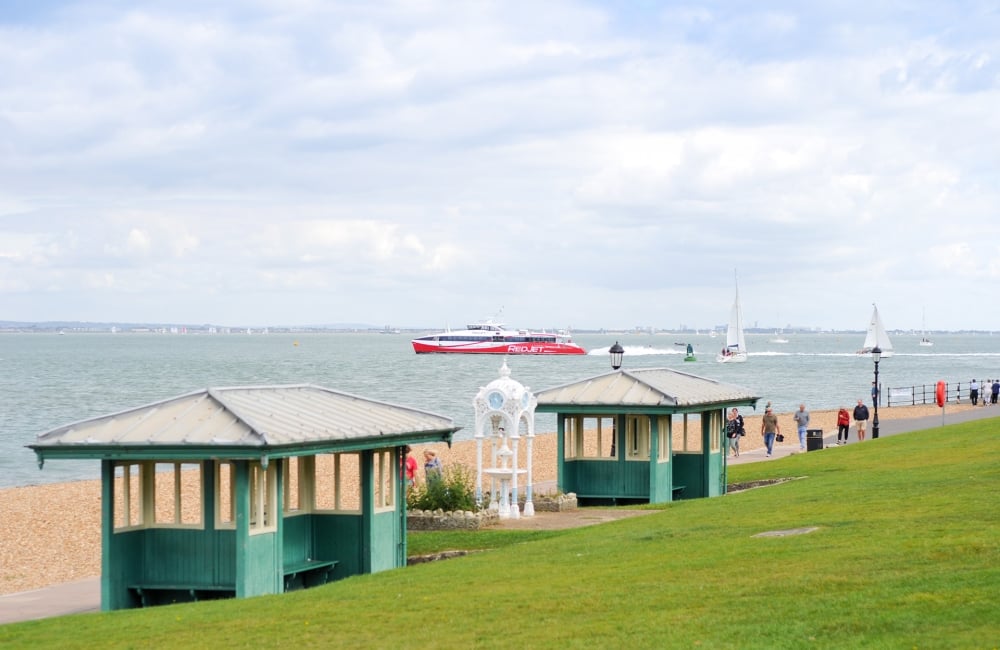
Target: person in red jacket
843,425
410,469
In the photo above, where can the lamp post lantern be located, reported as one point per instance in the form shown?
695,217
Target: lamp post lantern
616,352
876,357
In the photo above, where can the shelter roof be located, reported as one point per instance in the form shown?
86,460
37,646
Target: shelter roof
655,388
256,417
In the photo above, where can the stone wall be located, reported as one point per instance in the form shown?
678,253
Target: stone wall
456,520
553,503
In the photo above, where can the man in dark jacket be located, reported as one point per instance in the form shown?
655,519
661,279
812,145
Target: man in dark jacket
861,419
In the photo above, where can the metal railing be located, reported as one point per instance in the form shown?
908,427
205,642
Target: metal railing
926,394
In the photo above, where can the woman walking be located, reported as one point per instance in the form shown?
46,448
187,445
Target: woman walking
734,429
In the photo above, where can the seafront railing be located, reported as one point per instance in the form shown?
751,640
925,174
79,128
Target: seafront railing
927,394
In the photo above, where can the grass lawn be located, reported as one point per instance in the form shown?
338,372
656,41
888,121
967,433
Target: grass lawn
906,555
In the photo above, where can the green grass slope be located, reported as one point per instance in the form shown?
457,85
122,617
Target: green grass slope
906,555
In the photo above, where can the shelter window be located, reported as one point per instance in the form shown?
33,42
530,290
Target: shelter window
687,435
225,495
385,480
663,439
165,495
716,428
128,496
637,435
336,483
263,498
589,437
177,495
292,485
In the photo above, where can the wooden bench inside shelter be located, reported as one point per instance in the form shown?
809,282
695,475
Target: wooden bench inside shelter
152,593
308,573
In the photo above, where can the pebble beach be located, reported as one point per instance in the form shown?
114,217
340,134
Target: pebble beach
50,534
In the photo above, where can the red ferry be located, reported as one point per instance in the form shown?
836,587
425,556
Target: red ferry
492,338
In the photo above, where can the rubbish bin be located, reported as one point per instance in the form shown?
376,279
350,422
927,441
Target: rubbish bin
814,439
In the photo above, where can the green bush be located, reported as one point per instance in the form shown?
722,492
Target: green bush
455,490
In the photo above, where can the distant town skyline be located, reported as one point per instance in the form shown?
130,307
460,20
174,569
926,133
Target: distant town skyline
276,328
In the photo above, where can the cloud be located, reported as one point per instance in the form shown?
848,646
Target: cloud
430,161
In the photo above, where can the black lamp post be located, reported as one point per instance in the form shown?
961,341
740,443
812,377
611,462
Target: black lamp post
876,357
616,352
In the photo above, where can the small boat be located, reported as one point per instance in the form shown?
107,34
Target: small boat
493,338
876,336
924,341
736,345
689,352
778,337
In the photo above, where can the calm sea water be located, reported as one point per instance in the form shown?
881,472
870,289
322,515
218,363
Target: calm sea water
50,380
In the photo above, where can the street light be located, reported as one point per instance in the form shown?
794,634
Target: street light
876,357
616,352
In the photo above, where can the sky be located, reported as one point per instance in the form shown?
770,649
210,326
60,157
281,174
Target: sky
576,164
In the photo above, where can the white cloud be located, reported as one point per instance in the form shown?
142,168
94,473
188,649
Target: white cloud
424,161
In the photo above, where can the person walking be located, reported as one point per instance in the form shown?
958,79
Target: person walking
843,425
994,391
769,428
801,418
432,466
974,392
861,419
409,468
734,430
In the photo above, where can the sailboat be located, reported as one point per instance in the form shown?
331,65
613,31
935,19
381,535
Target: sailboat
876,336
924,340
736,345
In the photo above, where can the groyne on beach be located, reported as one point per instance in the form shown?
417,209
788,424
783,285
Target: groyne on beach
50,534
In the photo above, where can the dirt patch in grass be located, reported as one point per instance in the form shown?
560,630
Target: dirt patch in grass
749,485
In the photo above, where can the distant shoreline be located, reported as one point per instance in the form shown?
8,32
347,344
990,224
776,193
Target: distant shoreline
86,327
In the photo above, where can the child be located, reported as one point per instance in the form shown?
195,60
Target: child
843,425
432,466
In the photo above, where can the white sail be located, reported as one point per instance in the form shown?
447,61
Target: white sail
876,336
736,344
923,339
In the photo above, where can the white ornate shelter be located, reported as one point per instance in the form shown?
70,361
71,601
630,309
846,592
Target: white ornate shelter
505,410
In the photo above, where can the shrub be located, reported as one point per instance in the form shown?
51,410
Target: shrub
455,490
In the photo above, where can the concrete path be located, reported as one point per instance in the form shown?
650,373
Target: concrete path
57,600
886,428
85,595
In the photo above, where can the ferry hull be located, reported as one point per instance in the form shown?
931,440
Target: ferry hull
496,347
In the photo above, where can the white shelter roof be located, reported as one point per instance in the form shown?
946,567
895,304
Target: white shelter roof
257,417
648,387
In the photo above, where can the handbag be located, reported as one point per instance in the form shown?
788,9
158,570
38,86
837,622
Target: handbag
780,437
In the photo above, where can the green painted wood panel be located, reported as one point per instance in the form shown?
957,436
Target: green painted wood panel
384,542
176,556
689,471
339,537
297,539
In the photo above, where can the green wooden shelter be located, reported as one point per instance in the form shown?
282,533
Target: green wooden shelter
245,491
646,435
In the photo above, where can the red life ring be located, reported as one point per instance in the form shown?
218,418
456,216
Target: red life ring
940,394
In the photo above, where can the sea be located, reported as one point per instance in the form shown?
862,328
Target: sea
48,380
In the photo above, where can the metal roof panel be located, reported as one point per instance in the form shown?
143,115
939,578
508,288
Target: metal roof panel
648,387
249,416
